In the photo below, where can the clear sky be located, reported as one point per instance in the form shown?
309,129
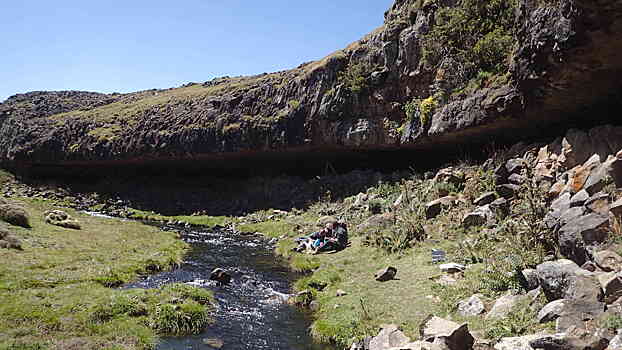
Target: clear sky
130,45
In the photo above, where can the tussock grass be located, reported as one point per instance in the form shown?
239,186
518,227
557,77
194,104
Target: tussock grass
53,294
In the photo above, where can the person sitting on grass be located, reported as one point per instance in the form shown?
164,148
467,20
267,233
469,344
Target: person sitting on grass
334,236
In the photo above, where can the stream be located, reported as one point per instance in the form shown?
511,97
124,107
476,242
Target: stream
251,311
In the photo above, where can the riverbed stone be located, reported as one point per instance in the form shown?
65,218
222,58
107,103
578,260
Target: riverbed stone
221,276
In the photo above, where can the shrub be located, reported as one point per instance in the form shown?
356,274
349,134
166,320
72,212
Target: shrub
354,78
119,305
189,317
477,34
421,109
294,104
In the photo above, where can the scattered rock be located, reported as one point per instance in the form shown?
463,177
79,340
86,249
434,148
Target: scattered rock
517,179
341,293
608,261
450,176
515,166
591,267
452,268
503,306
434,208
8,241
314,305
14,215
62,219
570,341
517,343
485,198
390,336
611,283
385,274
446,333
551,311
616,209
221,276
598,203
530,279
480,217
580,233
501,207
508,191
472,306
563,279
579,199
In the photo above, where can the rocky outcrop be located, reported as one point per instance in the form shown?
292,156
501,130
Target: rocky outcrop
354,99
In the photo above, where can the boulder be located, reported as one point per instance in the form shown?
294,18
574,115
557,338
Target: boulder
434,208
485,198
501,175
508,191
562,203
616,342
615,170
500,207
480,217
14,215
563,279
221,276
452,268
340,293
529,279
578,175
598,203
596,181
385,274
574,314
608,261
450,176
517,179
579,199
390,336
517,343
551,311
62,219
563,342
515,166
446,333
580,233
611,284
616,209
472,306
503,306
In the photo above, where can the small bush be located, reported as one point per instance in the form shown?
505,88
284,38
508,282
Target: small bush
189,317
520,321
119,305
184,291
354,78
421,109
613,322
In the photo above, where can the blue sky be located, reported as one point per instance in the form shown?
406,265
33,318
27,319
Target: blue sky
130,45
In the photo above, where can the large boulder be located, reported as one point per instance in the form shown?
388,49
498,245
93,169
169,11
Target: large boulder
504,305
390,336
385,274
62,219
14,215
8,240
434,208
472,306
581,233
448,334
482,216
563,279
611,284
608,261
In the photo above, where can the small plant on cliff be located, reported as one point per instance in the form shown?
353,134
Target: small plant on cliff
422,109
294,104
354,78
477,34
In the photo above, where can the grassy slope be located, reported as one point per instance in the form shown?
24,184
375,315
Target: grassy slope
53,292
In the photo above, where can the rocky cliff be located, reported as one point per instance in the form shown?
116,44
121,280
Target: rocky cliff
437,73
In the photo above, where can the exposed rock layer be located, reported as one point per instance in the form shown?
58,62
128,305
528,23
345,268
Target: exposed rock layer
568,55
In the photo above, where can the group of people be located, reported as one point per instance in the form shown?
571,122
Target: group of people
334,236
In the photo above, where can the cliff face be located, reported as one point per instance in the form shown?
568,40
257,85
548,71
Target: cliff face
437,72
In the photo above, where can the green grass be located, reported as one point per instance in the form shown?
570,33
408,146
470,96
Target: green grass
199,220
53,294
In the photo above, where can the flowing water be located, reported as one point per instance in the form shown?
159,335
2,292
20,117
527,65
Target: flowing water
251,312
